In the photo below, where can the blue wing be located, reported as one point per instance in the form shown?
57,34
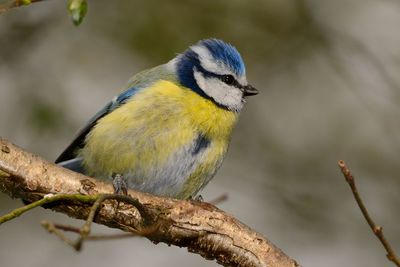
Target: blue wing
67,158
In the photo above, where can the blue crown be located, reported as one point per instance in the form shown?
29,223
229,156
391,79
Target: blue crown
225,53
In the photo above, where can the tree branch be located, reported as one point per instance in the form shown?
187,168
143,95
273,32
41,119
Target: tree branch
16,3
377,230
199,226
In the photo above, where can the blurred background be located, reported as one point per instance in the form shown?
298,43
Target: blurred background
328,72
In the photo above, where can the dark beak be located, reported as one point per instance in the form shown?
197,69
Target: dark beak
249,90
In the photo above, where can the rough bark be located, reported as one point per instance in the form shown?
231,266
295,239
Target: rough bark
199,226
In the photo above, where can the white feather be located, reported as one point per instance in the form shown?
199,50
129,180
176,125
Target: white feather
229,96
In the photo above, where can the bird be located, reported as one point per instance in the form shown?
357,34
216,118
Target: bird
169,130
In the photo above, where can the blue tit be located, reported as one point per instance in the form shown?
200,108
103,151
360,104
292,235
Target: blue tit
168,132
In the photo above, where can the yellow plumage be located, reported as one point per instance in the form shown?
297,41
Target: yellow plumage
142,135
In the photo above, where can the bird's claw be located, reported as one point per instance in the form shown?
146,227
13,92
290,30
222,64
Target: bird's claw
119,184
198,198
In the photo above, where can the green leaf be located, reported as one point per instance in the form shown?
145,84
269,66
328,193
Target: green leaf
77,9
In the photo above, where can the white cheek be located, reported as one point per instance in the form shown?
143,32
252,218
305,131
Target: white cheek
226,95
201,82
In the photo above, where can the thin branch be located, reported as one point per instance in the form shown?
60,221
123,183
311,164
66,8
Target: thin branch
377,230
65,228
68,228
46,200
16,3
76,230
84,231
200,227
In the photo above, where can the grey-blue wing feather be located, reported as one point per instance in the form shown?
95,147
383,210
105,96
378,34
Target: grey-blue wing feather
79,140
73,164
134,85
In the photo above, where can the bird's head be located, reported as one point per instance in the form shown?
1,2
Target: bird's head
215,70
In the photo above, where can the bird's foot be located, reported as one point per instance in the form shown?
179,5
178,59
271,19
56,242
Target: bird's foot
198,198
119,184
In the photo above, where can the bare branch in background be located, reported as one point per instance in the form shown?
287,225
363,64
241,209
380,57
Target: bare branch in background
199,226
16,3
378,230
76,8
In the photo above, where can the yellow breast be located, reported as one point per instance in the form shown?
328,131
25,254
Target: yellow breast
144,132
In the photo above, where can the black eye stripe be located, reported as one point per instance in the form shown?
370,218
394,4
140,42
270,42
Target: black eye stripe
230,80
206,73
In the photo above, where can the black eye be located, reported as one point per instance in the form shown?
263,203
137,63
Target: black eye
228,79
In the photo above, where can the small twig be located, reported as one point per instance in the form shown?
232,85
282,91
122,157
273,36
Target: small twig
49,226
377,230
67,228
76,230
84,231
16,3
145,231
46,200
